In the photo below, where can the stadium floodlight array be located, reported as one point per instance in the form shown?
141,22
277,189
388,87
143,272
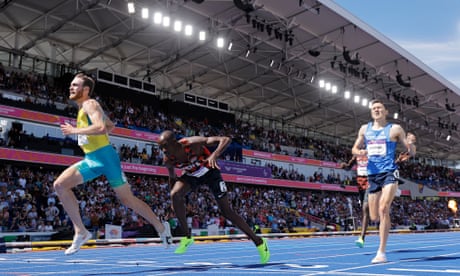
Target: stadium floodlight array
178,26
347,94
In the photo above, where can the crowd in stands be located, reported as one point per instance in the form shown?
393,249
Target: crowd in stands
27,201
436,177
318,176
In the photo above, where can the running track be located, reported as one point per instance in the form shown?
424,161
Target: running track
408,254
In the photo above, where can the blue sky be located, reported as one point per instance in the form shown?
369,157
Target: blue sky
429,30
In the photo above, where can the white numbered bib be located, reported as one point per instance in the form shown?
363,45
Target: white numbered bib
361,171
361,162
377,147
82,139
223,187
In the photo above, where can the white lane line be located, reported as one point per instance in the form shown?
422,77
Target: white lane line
456,271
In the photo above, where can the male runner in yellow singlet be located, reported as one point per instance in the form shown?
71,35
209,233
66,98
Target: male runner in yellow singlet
100,159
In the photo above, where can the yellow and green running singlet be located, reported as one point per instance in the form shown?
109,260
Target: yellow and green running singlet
89,143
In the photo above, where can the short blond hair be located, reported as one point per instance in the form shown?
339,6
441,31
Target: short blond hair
87,81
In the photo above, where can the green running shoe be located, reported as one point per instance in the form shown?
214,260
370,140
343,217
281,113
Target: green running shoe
264,252
359,242
183,245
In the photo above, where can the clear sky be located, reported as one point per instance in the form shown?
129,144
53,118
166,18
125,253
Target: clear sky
429,30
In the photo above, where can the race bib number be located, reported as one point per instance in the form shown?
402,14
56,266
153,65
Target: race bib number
223,187
377,147
361,171
82,140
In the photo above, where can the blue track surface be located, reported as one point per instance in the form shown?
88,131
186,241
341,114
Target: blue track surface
408,254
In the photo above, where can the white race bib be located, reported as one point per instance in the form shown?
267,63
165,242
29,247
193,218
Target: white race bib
361,171
377,147
82,139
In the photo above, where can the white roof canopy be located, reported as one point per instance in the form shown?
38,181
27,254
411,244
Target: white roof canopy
278,48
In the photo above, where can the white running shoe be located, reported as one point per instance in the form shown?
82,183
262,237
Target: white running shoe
379,258
166,238
78,241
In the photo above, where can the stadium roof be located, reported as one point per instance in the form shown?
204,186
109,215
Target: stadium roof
280,50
